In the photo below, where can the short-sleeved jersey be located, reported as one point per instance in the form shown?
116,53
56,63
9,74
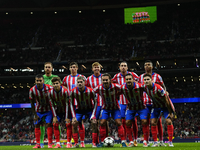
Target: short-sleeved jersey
157,94
60,100
41,97
109,96
47,80
71,82
134,96
156,78
92,82
120,79
86,100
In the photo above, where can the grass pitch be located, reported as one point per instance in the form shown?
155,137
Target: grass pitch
177,146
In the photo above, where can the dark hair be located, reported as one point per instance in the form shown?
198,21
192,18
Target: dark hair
54,79
128,74
147,75
106,74
39,76
73,63
123,62
148,61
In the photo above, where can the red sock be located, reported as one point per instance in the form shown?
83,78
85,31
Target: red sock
170,130
102,133
145,132
69,132
56,132
129,133
154,132
148,129
124,125
75,136
97,136
37,135
160,129
81,131
121,132
49,134
135,129
94,137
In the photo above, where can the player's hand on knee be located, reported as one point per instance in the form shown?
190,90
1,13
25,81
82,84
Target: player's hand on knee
55,120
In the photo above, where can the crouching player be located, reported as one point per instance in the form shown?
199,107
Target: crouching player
109,93
59,97
86,105
162,103
39,93
134,94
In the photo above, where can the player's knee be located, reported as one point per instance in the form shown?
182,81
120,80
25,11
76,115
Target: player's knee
103,122
49,125
118,122
37,126
168,122
128,123
153,122
144,122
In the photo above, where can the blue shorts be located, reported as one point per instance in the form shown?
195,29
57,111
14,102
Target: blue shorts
149,108
130,114
98,112
155,113
122,110
47,116
81,113
60,116
106,113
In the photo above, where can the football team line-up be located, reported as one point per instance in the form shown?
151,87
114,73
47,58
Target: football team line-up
99,97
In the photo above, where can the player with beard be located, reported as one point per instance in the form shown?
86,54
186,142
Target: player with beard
156,78
161,103
119,78
48,68
109,93
39,93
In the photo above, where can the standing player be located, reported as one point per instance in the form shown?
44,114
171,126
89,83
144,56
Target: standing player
161,103
119,78
134,94
59,96
39,93
86,105
70,82
48,68
156,78
109,92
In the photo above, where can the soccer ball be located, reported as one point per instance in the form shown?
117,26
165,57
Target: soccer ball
108,142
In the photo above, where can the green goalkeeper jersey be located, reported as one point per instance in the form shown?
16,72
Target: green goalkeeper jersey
47,80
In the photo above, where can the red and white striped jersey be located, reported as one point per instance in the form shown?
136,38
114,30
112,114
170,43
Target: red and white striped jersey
41,97
86,100
71,82
120,79
134,96
156,78
109,96
60,100
92,82
157,94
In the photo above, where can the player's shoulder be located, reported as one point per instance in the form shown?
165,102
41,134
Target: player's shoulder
115,85
48,86
134,74
156,74
139,84
158,86
32,88
65,78
74,89
89,88
116,75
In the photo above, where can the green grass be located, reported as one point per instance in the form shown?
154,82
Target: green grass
177,146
